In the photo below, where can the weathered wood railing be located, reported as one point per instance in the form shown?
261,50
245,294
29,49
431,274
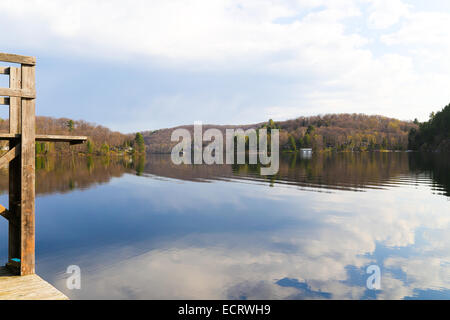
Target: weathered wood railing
20,96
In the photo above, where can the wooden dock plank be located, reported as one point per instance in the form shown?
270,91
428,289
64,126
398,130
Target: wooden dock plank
30,287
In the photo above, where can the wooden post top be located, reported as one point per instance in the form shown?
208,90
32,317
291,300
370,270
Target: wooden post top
15,58
28,94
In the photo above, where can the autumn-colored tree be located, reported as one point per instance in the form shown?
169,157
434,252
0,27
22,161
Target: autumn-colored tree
104,149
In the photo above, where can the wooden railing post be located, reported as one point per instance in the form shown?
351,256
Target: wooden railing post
21,251
15,107
28,174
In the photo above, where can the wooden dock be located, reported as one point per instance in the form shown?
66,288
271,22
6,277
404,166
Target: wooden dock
19,280
30,287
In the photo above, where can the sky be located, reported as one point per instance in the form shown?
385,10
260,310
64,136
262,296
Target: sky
145,65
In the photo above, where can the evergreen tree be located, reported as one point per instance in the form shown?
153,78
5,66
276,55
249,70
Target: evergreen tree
307,141
90,146
292,142
70,125
139,143
301,143
433,134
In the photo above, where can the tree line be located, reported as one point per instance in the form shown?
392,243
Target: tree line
333,132
338,132
343,132
432,135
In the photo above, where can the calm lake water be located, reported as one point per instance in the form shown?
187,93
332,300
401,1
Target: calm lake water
147,229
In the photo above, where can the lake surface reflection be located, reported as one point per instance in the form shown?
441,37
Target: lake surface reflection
147,229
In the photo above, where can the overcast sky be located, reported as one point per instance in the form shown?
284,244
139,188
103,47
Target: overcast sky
144,65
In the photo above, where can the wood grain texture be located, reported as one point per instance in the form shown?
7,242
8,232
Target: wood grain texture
30,94
60,138
16,58
9,156
9,136
27,259
31,287
15,104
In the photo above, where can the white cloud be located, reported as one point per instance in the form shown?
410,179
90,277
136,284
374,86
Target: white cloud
181,31
422,28
385,13
400,68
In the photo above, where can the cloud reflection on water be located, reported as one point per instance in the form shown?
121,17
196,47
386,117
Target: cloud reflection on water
168,234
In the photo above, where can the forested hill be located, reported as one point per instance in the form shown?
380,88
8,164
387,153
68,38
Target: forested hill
433,135
340,132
